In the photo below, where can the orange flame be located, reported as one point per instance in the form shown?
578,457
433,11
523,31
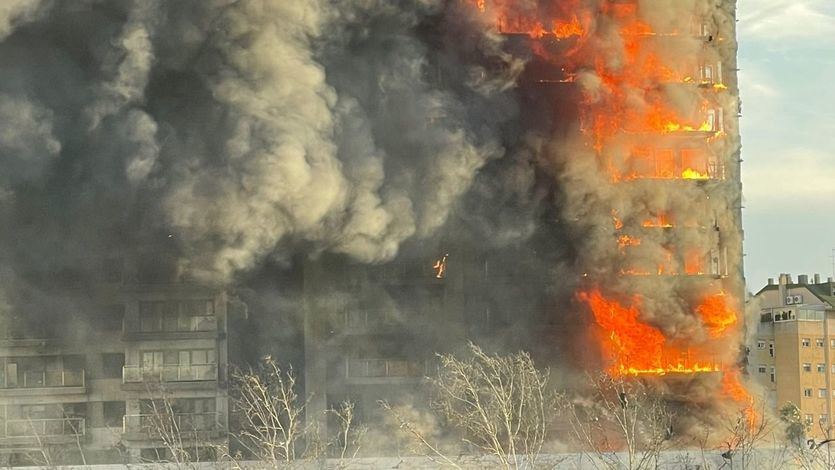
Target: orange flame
716,315
659,221
634,348
625,241
567,29
616,220
440,267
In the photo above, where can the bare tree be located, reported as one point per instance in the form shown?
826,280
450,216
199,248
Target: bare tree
424,442
744,432
622,423
270,419
350,434
270,412
182,435
500,405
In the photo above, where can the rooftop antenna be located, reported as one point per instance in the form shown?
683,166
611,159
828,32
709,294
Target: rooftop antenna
833,262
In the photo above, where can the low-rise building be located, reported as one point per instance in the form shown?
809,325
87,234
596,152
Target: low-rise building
794,353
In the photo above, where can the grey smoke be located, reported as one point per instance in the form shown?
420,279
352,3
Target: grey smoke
248,131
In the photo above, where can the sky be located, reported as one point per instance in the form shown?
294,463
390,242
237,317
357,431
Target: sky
787,81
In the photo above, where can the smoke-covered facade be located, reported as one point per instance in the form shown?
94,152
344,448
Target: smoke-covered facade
373,182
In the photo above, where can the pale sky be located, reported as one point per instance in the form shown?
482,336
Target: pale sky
787,75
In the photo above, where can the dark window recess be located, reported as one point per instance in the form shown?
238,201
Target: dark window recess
111,320
111,365
74,362
113,411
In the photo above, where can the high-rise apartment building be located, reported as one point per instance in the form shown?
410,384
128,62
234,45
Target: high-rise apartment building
97,382
793,357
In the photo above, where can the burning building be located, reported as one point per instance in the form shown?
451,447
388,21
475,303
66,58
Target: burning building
630,109
380,181
650,171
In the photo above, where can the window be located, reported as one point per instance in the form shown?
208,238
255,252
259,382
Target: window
805,342
807,367
111,365
111,319
184,365
832,343
771,349
773,375
761,369
822,393
113,411
807,392
821,368
760,344
823,419
706,73
191,315
833,368
819,342
809,419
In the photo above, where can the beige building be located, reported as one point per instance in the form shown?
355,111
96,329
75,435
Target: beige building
84,388
794,354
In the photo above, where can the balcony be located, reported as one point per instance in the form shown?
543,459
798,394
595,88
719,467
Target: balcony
185,425
52,430
169,374
198,326
44,383
384,370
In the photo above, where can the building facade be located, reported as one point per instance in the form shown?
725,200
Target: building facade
103,382
793,358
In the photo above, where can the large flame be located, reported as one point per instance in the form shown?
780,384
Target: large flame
716,315
633,347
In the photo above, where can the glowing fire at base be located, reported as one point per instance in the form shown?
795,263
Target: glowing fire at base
634,348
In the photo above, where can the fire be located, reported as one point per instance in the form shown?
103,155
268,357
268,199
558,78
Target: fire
440,267
625,241
630,123
716,315
564,30
659,221
733,388
616,220
691,174
634,348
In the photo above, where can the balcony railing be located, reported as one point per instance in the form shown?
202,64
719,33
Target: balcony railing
388,368
46,379
181,423
191,324
43,427
172,373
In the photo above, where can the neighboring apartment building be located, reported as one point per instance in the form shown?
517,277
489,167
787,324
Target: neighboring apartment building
794,354
100,384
